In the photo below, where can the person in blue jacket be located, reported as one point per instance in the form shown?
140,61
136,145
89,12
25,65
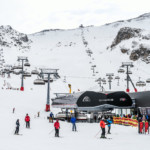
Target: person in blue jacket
51,116
109,122
73,121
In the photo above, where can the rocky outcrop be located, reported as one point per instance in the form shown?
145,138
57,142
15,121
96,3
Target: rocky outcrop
142,52
125,34
10,37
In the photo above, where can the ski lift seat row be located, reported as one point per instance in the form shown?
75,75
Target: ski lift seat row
39,82
140,83
117,77
148,80
34,72
27,64
121,70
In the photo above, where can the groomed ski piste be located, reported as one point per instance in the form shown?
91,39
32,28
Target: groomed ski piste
41,135
51,49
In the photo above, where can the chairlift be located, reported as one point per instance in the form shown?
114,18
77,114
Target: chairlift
148,80
17,67
103,80
27,74
140,83
110,77
34,72
46,79
16,73
27,64
129,72
39,82
121,70
117,77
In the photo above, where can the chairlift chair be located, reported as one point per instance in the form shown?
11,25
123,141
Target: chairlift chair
27,64
39,82
27,74
148,80
46,79
34,72
140,83
121,70
117,77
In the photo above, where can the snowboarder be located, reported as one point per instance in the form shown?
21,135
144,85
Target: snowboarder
17,127
51,117
102,125
73,121
27,120
109,122
57,127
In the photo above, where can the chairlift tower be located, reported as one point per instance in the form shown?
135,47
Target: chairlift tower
100,80
22,59
110,77
127,65
8,69
49,72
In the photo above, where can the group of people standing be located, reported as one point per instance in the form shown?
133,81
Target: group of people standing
27,120
103,123
57,125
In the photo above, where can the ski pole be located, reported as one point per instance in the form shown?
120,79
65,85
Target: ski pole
97,133
51,131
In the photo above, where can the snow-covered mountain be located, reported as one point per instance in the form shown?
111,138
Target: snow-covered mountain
75,51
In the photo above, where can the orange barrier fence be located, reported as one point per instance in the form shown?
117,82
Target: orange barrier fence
125,121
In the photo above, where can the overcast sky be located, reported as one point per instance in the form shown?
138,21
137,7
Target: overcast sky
29,16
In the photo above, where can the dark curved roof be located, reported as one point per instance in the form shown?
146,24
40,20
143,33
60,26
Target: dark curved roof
116,99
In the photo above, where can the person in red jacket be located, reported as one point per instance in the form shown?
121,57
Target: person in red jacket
141,127
146,126
102,125
57,127
27,120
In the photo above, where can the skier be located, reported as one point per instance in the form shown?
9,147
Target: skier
73,121
27,120
109,122
102,125
51,117
146,126
17,127
57,127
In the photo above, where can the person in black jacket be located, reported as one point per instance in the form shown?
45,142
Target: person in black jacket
17,126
